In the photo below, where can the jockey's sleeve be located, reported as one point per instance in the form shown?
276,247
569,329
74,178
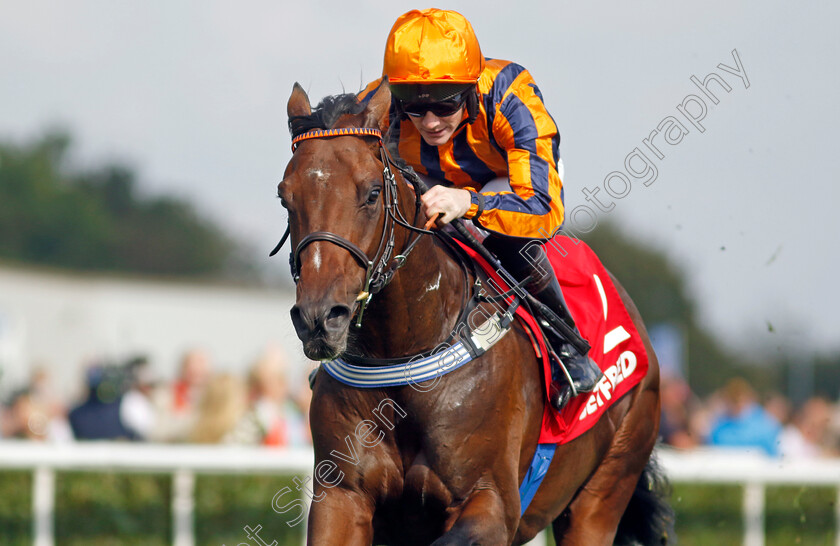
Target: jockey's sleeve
525,131
369,90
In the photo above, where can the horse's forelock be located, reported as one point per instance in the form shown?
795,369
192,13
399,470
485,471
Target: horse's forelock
333,111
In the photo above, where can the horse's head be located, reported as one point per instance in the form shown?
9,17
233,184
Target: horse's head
333,191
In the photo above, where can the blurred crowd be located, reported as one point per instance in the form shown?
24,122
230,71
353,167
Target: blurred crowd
735,416
127,402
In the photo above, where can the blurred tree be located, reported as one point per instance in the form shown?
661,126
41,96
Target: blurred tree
659,290
95,219
817,372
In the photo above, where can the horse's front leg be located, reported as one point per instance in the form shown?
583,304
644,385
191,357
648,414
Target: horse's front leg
486,519
342,516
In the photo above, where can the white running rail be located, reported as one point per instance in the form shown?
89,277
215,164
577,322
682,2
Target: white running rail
753,471
182,461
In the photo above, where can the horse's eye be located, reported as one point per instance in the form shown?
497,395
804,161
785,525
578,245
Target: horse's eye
373,196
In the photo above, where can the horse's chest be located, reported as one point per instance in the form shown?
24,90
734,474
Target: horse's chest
435,486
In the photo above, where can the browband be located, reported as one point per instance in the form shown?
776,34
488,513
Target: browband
326,133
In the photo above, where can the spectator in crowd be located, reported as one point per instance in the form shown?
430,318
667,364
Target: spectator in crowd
137,411
807,434
779,407
98,417
279,414
193,376
744,422
221,408
22,419
43,393
677,402
833,435
176,404
35,412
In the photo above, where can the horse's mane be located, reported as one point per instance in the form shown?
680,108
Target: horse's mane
332,107
326,113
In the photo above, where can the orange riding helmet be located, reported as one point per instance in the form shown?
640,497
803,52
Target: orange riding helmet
432,46
432,55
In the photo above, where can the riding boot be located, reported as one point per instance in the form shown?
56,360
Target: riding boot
522,258
583,372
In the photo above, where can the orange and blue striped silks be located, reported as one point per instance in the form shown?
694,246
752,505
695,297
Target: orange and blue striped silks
513,136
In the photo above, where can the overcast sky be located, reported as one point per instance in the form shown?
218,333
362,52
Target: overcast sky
193,94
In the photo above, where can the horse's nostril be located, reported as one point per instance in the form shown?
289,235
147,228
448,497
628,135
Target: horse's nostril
309,322
299,322
337,318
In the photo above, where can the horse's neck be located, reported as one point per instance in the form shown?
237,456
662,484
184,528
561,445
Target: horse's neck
418,309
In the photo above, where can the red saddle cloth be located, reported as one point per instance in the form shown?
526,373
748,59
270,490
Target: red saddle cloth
603,320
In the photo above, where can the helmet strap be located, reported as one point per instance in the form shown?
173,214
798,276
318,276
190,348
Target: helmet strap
472,105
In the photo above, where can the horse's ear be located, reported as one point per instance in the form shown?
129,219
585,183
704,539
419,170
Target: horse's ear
376,113
298,103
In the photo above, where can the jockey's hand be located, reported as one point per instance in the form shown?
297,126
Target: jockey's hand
451,202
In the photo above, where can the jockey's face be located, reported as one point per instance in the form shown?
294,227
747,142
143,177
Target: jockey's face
437,130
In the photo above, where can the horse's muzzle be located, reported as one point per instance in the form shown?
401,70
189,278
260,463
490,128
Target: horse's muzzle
322,328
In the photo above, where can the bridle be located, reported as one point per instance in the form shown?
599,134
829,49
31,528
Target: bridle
380,270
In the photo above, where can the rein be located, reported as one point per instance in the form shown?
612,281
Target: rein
380,270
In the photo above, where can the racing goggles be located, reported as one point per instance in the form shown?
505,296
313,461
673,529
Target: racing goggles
440,109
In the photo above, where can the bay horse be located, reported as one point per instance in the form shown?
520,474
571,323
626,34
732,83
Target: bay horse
442,464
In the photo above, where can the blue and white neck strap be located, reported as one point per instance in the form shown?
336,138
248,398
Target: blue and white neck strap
445,359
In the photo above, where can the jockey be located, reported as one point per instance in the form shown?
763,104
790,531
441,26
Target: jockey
477,130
